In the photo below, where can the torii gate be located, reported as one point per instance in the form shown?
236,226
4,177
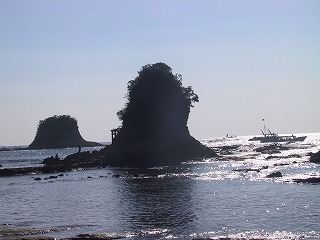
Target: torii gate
114,133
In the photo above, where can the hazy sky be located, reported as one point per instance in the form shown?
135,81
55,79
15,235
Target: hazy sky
246,59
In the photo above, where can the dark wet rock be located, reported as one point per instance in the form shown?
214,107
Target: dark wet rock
1,166
116,175
315,157
274,174
229,238
37,179
95,237
271,149
228,150
52,177
272,157
280,164
81,157
230,158
246,170
11,232
31,238
55,169
5,172
308,180
84,160
283,157
51,161
59,132
81,160
231,147
75,161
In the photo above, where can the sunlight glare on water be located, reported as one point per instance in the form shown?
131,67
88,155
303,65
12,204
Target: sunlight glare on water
225,197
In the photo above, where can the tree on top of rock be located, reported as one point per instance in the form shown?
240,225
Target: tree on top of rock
157,104
57,123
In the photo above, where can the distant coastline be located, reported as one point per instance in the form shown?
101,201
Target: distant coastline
26,147
13,148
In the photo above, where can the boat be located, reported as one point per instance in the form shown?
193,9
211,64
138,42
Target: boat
268,136
230,136
273,137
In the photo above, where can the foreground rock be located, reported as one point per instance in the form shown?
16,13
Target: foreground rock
315,157
15,233
271,148
59,132
230,238
82,160
274,175
96,237
308,180
8,172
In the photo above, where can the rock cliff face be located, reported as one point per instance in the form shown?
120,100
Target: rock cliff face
154,122
59,132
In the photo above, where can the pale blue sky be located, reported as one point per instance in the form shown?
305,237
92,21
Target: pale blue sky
246,59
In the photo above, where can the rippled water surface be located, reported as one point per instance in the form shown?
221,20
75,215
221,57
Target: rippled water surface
227,198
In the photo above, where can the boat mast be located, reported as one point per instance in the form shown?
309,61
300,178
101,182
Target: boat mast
264,131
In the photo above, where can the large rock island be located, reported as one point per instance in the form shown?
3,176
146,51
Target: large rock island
59,132
154,127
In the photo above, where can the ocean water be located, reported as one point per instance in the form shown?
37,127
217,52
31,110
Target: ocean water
213,198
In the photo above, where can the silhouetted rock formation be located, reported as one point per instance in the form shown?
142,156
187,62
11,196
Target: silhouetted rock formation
315,157
59,132
154,122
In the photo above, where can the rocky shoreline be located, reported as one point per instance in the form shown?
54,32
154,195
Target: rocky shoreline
55,165
102,237
34,234
93,160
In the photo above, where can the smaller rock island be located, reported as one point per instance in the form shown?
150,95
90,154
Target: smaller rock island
59,131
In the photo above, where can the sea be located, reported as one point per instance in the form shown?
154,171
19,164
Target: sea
229,197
